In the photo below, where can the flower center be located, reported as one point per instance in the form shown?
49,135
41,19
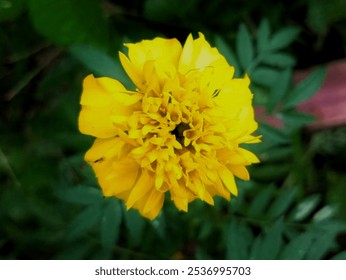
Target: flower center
178,131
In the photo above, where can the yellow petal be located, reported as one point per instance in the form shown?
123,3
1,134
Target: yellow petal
228,179
240,171
132,71
96,121
159,50
181,203
141,188
120,179
197,54
99,91
250,157
154,203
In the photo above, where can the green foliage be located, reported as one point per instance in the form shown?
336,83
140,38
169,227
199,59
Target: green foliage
51,206
100,63
305,89
322,14
68,22
245,52
11,9
110,224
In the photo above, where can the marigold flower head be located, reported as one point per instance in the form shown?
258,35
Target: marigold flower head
180,132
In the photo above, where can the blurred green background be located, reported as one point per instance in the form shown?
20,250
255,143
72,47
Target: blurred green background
50,204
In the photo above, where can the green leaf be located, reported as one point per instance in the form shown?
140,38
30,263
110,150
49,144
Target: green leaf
282,203
295,119
340,256
272,136
278,59
272,241
135,225
325,238
276,154
100,63
238,240
159,225
283,38
110,224
320,246
298,247
263,34
83,195
84,221
270,172
279,88
261,201
324,214
306,88
95,60
67,22
256,248
265,76
244,47
306,207
226,50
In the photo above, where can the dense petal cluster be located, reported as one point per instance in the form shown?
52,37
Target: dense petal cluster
179,132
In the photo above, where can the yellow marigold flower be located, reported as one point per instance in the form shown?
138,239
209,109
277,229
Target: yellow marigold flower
179,132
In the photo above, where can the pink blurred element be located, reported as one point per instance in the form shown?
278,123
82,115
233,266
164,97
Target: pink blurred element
273,121
328,105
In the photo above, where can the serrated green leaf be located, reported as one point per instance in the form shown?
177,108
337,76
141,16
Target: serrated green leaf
110,224
306,88
298,247
83,195
340,256
135,225
226,50
244,47
238,240
265,76
282,203
263,34
67,22
84,221
278,59
306,207
283,38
